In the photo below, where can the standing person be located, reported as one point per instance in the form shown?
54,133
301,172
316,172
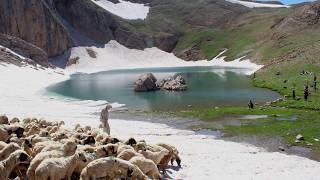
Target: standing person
104,117
306,92
250,104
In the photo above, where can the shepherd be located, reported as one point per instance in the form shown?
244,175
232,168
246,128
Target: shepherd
104,117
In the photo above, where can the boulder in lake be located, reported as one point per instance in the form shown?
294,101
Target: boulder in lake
146,82
175,83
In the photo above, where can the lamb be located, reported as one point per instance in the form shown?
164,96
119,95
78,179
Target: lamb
67,150
100,168
4,120
8,165
129,170
127,154
58,168
7,150
156,157
147,166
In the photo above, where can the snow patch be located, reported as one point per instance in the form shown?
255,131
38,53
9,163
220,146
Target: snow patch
257,5
12,52
124,9
115,56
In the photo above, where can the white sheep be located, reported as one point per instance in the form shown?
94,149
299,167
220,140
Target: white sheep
82,164
8,165
156,157
147,166
127,154
107,150
173,154
129,170
58,168
7,150
14,120
100,168
123,147
66,150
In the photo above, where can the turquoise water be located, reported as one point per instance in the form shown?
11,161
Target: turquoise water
207,87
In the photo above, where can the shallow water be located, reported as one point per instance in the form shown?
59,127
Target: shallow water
207,87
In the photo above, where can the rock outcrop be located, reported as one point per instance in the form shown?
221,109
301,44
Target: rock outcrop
174,83
33,21
146,82
25,49
98,24
306,16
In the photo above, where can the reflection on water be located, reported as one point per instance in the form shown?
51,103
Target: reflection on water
207,86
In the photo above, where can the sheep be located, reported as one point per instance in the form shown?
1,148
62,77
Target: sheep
131,142
44,133
68,147
31,130
53,129
4,120
8,165
38,147
7,150
123,147
27,146
82,164
58,136
129,170
65,151
147,166
173,152
14,120
58,168
7,130
140,146
156,157
101,137
107,150
100,168
87,148
127,154
88,140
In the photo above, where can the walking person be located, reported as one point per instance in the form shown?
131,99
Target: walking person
104,117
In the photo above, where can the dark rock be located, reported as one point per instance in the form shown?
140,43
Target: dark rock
98,24
25,49
33,21
146,82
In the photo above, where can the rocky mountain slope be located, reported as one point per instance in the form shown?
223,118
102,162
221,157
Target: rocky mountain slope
192,30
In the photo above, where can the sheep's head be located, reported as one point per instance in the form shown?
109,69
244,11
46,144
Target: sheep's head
111,149
82,157
89,140
14,120
69,147
28,142
4,120
114,140
131,142
140,146
21,157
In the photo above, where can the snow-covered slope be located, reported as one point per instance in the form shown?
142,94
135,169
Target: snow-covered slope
115,56
257,5
124,9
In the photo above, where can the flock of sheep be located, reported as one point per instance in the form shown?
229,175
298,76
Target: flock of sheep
36,149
